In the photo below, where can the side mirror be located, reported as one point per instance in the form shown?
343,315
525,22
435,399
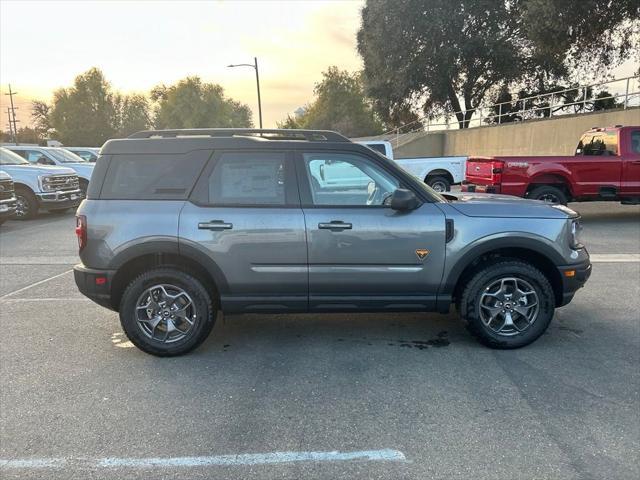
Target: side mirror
404,200
44,161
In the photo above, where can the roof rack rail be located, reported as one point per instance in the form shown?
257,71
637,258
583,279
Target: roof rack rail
269,134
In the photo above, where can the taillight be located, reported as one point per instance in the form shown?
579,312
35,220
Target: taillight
81,231
496,172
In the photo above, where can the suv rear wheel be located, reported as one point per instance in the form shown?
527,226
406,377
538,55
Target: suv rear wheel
508,304
166,312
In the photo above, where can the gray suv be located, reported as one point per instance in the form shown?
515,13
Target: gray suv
181,224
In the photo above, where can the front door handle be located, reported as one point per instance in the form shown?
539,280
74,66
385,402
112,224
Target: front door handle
335,225
215,225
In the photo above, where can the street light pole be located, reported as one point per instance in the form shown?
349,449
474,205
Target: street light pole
255,61
255,67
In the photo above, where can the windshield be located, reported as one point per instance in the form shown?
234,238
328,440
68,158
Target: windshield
64,156
7,157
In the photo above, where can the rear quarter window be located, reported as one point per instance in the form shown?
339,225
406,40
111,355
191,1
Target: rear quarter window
153,176
635,141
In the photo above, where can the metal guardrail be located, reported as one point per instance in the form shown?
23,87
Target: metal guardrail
551,102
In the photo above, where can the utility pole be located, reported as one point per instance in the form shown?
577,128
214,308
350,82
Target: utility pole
13,114
13,137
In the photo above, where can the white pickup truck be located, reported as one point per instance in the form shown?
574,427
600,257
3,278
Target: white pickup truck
437,172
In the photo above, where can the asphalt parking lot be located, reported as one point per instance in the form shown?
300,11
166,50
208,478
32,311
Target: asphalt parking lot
347,396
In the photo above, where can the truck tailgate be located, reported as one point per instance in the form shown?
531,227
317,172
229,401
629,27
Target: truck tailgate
483,170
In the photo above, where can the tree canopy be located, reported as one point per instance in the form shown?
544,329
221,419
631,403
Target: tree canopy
192,103
83,114
449,55
90,111
339,104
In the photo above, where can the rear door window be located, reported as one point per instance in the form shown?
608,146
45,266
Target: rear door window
250,179
153,176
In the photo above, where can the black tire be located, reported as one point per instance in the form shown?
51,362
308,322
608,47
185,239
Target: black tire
479,284
27,204
439,184
549,193
205,312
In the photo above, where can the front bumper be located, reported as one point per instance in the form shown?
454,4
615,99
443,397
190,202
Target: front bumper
7,208
94,284
473,188
60,199
573,278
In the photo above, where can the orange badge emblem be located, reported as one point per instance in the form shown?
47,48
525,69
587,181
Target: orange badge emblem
422,253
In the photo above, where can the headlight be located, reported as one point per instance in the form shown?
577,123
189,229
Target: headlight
576,235
46,184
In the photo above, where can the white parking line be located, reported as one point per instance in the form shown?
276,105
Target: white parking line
32,260
385,455
615,257
33,463
34,284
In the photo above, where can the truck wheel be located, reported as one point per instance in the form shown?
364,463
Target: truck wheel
439,184
508,304
166,312
549,194
26,204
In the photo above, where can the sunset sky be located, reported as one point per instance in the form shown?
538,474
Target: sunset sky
139,44
44,45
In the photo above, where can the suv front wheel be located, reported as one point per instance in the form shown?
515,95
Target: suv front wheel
166,312
508,304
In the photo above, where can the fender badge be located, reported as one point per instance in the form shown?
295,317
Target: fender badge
422,253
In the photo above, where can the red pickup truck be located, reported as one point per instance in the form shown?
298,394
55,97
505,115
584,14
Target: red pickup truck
606,166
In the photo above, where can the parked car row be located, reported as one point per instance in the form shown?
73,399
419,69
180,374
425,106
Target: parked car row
57,156
28,187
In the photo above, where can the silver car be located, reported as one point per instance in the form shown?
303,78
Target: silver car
181,224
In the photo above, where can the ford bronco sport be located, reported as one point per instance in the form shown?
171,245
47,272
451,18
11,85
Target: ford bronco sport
179,225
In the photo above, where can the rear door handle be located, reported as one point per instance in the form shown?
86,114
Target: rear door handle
335,225
215,225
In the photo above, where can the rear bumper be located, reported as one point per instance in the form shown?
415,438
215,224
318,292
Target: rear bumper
472,187
94,284
573,278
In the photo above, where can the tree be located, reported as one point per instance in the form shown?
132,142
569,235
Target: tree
340,104
192,103
439,52
583,33
132,114
84,113
450,55
41,116
25,135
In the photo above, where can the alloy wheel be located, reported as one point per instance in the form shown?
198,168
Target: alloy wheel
509,306
165,313
22,206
